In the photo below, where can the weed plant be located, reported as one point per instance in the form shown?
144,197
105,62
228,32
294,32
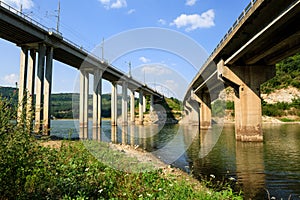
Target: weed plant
29,170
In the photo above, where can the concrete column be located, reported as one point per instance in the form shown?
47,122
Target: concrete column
132,104
97,91
47,90
141,108
99,94
144,103
246,81
192,110
124,103
86,104
22,83
81,103
95,99
114,109
114,134
40,88
205,112
30,88
151,103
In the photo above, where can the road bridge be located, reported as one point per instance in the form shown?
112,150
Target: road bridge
39,47
266,32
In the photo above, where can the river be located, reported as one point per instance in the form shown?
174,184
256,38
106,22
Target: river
260,169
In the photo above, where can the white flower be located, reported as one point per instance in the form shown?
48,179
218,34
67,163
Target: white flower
213,176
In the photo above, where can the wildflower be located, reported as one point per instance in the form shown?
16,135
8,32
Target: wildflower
232,179
213,176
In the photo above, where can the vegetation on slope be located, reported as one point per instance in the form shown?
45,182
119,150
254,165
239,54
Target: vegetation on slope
287,74
29,170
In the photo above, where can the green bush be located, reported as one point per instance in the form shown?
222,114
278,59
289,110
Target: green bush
31,171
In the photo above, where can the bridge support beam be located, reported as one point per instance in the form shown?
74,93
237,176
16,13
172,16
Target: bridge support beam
132,105
40,88
204,109
124,103
83,103
144,103
22,84
47,91
192,112
97,100
114,108
30,88
151,103
246,81
141,108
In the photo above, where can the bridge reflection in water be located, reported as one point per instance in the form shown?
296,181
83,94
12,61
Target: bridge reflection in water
271,166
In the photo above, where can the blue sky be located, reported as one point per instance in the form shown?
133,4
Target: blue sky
87,22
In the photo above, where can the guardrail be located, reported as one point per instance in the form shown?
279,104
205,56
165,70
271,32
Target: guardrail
43,27
29,19
237,21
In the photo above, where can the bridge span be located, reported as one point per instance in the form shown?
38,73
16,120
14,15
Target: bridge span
266,32
39,47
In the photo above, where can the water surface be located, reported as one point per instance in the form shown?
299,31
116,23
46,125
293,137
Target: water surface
260,168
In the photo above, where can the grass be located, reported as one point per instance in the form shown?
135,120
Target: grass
30,170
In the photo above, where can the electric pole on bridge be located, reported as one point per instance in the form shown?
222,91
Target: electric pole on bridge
58,17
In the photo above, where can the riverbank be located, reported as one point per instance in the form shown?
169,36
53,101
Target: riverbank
156,180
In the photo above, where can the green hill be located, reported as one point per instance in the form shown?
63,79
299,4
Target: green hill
287,74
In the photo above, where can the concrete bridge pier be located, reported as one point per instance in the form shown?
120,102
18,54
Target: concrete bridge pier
47,90
141,108
114,108
205,112
83,104
30,88
22,83
40,88
97,101
144,103
204,109
192,112
246,81
132,106
124,103
43,87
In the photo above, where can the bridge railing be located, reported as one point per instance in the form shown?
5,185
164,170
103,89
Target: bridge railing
49,30
29,19
237,21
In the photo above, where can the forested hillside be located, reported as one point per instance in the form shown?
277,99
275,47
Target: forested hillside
287,74
65,105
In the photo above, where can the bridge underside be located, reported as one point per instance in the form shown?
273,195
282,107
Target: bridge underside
267,33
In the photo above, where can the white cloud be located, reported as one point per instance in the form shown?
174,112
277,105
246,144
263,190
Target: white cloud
156,70
26,4
131,11
190,2
195,21
144,60
113,4
10,79
162,22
